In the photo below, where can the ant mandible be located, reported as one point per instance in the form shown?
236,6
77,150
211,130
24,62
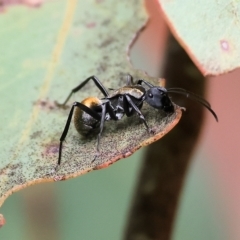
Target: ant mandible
92,112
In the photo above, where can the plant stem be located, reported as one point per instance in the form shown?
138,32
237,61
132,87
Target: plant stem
165,165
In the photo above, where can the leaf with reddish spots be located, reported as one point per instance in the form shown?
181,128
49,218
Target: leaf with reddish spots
208,30
48,52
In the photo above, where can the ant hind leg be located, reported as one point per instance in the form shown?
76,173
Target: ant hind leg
81,85
66,128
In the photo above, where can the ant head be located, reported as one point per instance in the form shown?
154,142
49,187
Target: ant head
157,97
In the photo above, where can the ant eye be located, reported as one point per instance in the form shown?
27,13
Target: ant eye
150,95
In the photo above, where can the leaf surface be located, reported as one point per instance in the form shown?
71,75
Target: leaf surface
48,51
208,30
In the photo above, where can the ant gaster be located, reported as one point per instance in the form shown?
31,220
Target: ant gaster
92,112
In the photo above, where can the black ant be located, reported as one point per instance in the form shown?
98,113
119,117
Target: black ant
92,112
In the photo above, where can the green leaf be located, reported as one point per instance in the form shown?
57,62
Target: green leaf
45,52
208,30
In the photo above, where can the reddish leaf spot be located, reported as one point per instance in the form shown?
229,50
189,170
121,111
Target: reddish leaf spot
46,105
127,154
99,1
2,220
51,149
91,25
30,3
59,178
224,45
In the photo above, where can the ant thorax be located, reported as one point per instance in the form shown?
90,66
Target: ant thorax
119,116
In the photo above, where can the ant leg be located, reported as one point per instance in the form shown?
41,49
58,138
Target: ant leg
129,80
66,128
97,83
101,128
128,110
101,125
187,94
140,81
133,105
111,111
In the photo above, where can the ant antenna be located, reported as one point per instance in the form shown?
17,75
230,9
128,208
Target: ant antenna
195,97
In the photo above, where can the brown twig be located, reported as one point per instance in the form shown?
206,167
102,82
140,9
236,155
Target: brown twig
156,199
